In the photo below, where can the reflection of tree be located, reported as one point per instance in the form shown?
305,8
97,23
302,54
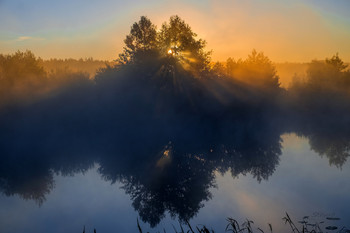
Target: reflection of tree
163,167
319,108
177,178
258,160
31,176
180,188
28,184
337,150
328,137
161,181
33,149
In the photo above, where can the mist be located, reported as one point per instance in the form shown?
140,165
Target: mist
162,100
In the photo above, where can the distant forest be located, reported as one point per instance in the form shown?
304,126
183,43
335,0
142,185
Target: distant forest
87,66
173,58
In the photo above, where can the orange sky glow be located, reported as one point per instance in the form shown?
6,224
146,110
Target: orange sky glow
294,31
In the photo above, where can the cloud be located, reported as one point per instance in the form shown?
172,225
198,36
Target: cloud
26,38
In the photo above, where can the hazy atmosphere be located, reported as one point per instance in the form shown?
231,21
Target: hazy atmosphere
294,31
187,116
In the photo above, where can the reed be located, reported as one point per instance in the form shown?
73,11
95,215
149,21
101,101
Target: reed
303,226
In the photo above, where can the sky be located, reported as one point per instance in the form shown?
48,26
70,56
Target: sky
285,30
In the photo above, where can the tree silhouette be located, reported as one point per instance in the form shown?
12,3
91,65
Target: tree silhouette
257,70
140,42
336,149
326,86
21,76
329,75
178,39
175,44
21,67
336,62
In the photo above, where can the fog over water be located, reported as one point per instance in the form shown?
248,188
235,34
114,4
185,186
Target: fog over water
166,134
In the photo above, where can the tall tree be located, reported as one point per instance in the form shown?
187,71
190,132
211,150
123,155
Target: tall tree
256,70
177,39
141,40
336,63
329,74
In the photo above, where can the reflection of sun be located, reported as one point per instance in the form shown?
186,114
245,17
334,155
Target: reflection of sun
170,51
166,153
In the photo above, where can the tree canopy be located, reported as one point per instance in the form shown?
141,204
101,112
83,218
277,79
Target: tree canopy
177,39
175,42
336,63
329,74
142,39
256,70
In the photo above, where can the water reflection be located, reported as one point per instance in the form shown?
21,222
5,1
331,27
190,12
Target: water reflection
328,135
177,177
163,167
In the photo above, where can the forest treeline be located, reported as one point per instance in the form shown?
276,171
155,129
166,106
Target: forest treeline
88,65
172,70
167,75
175,58
165,80
25,77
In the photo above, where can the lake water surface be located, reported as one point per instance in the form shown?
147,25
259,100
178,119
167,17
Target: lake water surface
104,193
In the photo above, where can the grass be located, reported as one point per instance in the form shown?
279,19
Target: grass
304,226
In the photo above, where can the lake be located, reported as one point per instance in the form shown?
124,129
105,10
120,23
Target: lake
173,148
104,193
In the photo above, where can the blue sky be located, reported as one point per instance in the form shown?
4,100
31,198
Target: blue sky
287,30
